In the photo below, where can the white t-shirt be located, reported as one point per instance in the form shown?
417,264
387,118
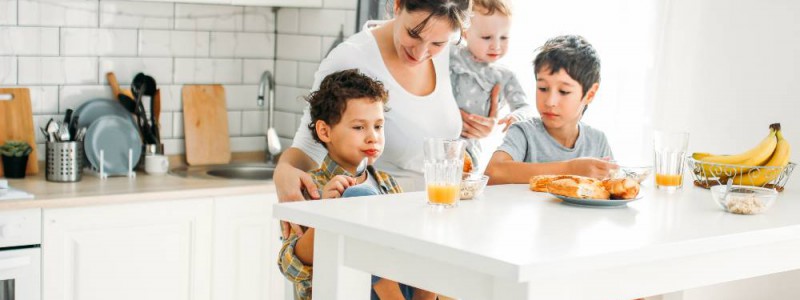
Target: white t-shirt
411,118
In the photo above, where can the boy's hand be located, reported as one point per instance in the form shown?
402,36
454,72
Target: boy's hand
591,167
336,186
475,126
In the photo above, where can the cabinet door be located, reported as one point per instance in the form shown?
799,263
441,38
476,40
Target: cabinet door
280,3
155,250
246,245
192,1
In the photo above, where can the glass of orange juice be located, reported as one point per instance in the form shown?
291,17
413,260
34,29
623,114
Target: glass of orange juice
670,153
444,163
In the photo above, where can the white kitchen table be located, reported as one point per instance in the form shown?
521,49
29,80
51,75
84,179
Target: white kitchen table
518,244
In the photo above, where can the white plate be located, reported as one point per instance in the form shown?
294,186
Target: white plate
114,135
601,203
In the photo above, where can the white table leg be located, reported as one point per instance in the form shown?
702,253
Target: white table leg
332,279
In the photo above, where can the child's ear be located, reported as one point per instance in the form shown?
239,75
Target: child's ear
591,93
323,131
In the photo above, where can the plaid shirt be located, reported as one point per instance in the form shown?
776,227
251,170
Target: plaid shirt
289,264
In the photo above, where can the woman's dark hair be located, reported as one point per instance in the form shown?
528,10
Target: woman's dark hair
329,102
455,11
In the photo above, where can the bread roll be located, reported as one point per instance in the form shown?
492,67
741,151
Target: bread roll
539,183
623,188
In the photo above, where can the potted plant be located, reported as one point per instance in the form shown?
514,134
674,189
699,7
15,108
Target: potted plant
15,158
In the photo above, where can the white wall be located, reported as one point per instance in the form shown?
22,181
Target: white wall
727,70
61,50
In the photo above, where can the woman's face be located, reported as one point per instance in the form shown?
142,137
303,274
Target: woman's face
415,49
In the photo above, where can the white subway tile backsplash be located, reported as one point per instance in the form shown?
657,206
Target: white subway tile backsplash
125,68
286,72
248,144
76,13
171,98
44,99
28,41
327,43
259,19
98,42
177,125
209,17
242,97
174,146
299,47
129,14
344,4
285,123
203,70
305,74
234,123
322,21
165,123
253,68
254,122
290,99
241,44
285,142
73,96
288,20
8,12
8,70
57,70
350,26
165,43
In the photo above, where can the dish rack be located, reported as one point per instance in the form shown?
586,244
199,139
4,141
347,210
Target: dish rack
707,174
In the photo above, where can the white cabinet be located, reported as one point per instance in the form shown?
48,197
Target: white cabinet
246,246
154,250
280,3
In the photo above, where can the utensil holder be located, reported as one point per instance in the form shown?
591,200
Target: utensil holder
64,161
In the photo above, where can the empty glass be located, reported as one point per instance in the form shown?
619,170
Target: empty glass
670,153
444,163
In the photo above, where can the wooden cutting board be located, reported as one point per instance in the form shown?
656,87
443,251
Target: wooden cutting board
16,122
205,125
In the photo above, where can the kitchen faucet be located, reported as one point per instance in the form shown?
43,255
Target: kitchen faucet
273,143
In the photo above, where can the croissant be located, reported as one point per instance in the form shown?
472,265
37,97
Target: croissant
578,187
623,188
539,183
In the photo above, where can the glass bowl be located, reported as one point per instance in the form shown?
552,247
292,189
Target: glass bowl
472,185
744,200
635,173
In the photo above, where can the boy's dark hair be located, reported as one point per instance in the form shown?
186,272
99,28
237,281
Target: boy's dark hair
455,11
329,102
492,6
572,53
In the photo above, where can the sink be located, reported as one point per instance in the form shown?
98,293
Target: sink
246,171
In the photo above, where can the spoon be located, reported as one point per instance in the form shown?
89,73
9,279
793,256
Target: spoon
362,166
727,189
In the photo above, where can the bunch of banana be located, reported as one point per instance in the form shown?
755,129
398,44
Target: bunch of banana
772,151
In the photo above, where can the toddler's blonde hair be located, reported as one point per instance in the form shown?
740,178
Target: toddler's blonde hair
489,7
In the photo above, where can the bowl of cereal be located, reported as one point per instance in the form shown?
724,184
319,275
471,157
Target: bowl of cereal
638,173
472,185
744,200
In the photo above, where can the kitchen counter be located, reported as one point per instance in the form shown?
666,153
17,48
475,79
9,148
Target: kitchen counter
93,191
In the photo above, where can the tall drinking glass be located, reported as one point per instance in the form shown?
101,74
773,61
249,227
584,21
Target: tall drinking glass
670,153
444,163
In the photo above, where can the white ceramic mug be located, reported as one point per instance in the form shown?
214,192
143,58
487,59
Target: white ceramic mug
156,164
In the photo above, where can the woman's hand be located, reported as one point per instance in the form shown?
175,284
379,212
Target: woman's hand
290,183
591,167
475,126
336,186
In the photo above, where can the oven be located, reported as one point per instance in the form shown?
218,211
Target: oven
20,254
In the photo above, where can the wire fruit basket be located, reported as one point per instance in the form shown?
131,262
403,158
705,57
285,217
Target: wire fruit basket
707,174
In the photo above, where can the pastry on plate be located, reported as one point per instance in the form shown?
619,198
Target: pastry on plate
578,187
622,188
539,183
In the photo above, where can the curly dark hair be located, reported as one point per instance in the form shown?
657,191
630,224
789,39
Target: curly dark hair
329,102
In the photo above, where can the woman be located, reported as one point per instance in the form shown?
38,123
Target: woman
406,54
